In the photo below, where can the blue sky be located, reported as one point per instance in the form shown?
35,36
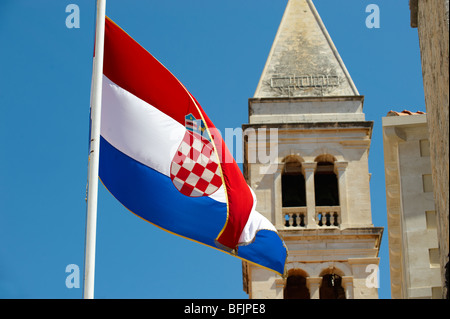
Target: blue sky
218,50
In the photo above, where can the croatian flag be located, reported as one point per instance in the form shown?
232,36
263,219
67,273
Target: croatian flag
176,177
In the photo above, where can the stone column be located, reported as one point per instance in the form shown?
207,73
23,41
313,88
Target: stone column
347,284
313,284
277,197
340,168
308,172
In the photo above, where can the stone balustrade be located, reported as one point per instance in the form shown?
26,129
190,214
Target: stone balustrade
324,216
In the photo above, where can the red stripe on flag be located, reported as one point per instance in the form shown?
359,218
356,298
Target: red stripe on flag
240,199
134,69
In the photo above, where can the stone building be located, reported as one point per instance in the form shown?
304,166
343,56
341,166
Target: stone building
431,17
306,152
412,223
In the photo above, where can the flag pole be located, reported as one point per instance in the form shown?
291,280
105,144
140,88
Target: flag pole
91,216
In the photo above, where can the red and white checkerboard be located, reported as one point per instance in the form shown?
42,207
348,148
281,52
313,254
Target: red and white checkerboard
195,170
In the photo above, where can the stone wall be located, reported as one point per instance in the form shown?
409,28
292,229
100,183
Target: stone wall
432,19
413,237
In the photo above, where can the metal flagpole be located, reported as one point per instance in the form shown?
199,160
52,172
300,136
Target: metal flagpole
91,217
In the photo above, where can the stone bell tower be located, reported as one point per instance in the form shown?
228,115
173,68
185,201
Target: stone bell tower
306,153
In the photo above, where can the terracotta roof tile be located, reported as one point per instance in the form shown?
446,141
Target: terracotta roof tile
403,113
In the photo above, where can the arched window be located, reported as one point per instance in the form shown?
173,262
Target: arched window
331,287
296,287
293,184
326,182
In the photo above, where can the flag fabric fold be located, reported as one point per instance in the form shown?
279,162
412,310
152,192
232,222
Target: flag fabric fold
163,159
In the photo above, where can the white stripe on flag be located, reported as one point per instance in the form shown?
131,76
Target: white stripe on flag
141,131
255,222
138,129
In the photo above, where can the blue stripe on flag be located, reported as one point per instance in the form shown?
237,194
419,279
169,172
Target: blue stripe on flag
152,196
265,251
